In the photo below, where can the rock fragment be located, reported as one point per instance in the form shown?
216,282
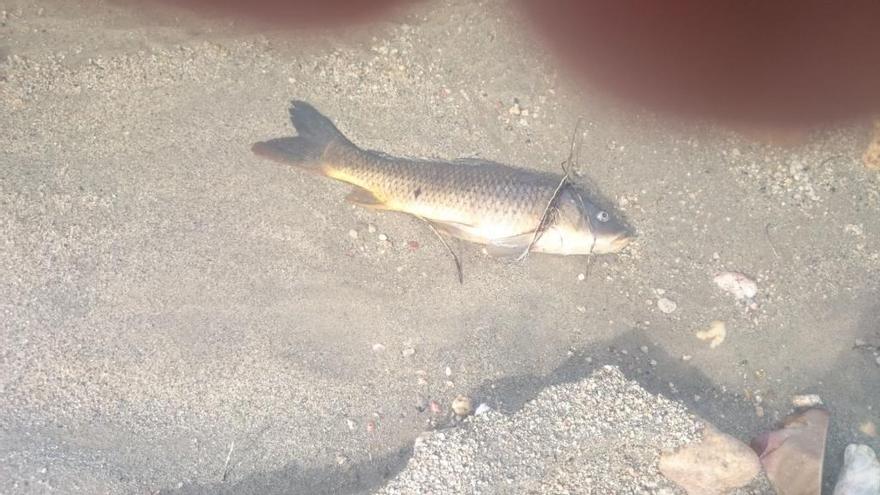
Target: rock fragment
715,464
793,455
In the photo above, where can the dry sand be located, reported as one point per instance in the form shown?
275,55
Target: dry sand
165,295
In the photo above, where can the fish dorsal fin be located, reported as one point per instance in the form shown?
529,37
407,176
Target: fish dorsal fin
476,162
365,198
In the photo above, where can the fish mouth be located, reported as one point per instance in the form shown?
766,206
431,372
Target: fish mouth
618,243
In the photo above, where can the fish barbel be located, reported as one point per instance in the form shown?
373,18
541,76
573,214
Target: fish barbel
484,202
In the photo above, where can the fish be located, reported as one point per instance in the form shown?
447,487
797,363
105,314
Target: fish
509,210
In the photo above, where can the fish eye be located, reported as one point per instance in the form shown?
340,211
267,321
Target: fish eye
603,216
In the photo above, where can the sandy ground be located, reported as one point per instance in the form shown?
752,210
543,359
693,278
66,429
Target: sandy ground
599,435
167,298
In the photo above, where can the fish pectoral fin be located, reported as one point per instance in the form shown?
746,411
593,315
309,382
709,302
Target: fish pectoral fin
506,247
459,230
365,198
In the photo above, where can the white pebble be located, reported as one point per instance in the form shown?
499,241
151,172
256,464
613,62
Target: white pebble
448,371
483,408
378,347
408,352
737,284
581,277
371,228
666,305
353,234
383,237
806,400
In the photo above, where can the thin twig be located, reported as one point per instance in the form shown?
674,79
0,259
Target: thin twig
577,126
770,241
448,248
542,225
226,464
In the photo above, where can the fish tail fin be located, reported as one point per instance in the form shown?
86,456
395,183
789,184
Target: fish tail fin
306,150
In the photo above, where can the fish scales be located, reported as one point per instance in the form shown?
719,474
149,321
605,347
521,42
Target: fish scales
464,193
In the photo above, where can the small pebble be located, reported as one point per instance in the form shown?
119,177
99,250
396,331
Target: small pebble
582,309
806,400
448,371
353,234
666,305
378,347
686,357
371,228
716,334
582,277
653,362
483,408
759,411
413,245
737,284
408,352
383,237
644,349
461,406
867,427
